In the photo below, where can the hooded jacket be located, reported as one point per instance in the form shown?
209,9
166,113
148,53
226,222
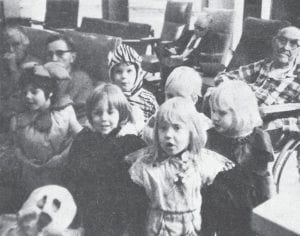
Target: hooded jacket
137,96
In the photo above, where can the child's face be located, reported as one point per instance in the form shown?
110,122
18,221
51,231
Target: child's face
105,118
58,51
35,98
124,76
173,137
223,119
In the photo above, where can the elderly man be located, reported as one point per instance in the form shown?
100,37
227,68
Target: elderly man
274,80
192,48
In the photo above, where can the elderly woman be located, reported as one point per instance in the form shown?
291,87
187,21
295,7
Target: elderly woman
12,63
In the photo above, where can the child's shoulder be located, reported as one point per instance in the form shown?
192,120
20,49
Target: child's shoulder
145,94
261,140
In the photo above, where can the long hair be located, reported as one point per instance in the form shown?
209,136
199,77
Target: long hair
115,98
238,97
182,110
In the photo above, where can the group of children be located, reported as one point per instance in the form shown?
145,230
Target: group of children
134,168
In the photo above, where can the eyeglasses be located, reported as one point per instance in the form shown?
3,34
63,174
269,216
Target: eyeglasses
58,53
294,43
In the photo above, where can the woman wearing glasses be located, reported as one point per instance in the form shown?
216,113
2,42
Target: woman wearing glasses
75,85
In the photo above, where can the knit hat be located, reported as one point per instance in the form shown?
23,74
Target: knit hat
126,54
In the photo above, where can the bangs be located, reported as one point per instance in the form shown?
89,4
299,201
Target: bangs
115,99
221,99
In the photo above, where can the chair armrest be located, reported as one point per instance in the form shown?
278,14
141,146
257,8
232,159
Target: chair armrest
211,57
150,40
280,111
137,41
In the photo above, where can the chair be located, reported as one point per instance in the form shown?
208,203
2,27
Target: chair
285,145
61,14
255,44
222,24
256,41
130,32
176,21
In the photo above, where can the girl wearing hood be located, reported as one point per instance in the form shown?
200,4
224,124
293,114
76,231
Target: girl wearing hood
126,72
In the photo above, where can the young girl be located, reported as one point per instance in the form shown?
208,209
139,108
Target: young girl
236,135
42,135
97,173
176,169
126,72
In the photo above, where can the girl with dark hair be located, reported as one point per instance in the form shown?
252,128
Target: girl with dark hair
43,133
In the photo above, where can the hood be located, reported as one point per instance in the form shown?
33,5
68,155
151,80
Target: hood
125,54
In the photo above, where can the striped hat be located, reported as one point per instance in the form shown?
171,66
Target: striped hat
126,54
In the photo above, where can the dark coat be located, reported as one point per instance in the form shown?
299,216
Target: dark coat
98,178
228,202
210,43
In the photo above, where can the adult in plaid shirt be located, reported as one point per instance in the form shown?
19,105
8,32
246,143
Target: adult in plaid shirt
275,80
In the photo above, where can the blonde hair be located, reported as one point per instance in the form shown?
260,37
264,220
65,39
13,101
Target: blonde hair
115,98
182,110
186,79
238,97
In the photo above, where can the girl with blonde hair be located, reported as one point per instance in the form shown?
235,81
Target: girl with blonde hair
175,169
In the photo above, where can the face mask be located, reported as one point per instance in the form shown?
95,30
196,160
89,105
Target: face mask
49,209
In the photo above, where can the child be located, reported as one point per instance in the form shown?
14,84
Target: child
97,173
42,134
176,169
49,210
182,82
236,135
126,72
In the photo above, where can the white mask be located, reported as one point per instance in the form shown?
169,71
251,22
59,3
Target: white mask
52,200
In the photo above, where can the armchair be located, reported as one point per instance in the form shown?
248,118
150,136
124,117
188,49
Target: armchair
176,21
256,41
255,44
130,32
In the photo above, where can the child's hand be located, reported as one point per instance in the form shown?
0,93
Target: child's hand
57,70
228,165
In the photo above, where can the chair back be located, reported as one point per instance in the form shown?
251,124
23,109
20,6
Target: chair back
222,24
256,41
123,29
61,13
176,20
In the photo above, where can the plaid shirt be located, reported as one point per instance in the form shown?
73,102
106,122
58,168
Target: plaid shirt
269,89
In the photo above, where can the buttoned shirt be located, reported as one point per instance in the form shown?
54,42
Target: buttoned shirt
270,88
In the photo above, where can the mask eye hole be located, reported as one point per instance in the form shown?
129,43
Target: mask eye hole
41,203
56,204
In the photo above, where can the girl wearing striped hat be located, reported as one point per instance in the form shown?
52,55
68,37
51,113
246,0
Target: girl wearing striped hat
125,71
